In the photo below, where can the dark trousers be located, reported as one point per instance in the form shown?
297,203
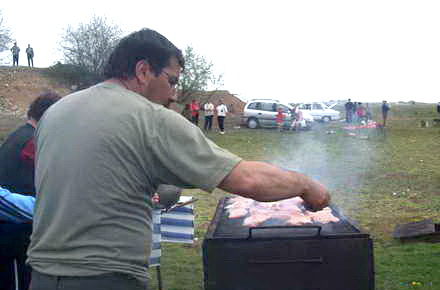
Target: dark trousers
15,60
14,240
384,117
208,123
195,119
348,116
111,281
30,60
221,123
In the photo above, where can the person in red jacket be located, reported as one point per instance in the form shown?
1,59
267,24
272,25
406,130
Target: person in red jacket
195,108
361,112
280,119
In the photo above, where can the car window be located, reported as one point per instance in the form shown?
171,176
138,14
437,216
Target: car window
271,107
254,106
285,109
317,107
306,106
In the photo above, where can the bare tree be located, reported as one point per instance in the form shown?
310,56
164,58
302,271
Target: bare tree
89,45
5,34
198,75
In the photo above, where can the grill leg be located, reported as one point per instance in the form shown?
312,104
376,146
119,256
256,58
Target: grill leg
159,277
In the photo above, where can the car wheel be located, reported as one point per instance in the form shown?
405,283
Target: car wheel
326,119
252,123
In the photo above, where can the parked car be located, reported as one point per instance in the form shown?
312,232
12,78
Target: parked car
262,113
320,111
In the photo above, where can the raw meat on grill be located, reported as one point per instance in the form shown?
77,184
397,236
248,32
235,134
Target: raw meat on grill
238,212
289,211
323,216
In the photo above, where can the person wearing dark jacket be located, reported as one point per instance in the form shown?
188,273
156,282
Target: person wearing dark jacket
17,175
385,109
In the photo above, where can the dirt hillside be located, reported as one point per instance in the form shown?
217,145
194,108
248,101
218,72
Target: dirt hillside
20,85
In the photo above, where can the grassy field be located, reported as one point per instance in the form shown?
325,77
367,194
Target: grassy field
379,177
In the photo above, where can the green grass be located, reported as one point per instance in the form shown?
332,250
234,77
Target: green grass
391,177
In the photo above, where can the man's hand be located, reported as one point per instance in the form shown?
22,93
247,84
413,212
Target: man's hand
316,197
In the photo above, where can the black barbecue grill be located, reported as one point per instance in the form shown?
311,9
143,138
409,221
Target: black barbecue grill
333,256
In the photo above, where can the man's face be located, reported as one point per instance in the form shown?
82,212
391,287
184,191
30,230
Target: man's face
163,88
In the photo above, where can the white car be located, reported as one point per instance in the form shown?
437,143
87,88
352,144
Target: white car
262,113
320,111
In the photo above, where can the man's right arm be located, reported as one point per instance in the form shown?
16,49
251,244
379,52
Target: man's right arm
265,182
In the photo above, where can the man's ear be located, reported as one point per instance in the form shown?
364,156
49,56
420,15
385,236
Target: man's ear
143,72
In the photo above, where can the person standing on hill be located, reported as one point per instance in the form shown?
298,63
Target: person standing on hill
101,154
195,108
15,53
209,114
385,110
30,55
221,115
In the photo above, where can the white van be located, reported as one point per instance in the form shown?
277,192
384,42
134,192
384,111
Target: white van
262,113
320,111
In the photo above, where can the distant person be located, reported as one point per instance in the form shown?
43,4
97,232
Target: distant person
280,119
368,111
17,175
15,53
30,55
186,112
297,118
353,112
361,112
385,110
195,108
438,107
221,115
209,114
348,111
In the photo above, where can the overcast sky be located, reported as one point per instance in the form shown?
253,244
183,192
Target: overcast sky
290,50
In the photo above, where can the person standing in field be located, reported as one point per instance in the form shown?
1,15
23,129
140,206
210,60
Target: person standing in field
280,119
195,108
186,112
349,111
15,53
221,115
368,111
30,55
385,110
209,114
361,112
438,107
101,154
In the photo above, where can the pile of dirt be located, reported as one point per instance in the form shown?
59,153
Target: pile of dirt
20,85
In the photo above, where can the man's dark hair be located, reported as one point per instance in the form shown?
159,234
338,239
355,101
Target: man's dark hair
41,104
144,44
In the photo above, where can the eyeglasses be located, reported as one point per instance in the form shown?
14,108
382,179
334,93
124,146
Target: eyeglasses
172,80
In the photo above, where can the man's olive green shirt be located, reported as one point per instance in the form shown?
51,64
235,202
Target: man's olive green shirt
101,153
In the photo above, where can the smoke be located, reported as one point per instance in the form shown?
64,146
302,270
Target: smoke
339,161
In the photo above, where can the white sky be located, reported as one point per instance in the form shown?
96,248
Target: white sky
291,50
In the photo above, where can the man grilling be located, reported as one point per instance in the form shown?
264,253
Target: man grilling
92,221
